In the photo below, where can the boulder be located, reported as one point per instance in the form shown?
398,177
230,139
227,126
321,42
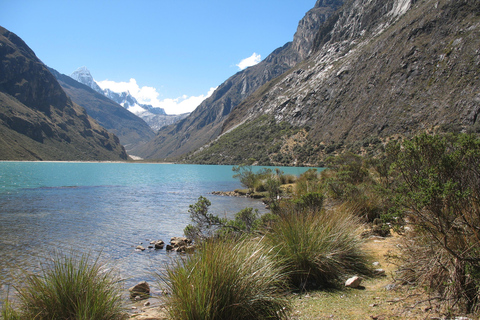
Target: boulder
140,248
169,247
353,282
159,244
141,290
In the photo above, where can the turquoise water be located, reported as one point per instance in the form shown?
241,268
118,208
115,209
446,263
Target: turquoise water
107,208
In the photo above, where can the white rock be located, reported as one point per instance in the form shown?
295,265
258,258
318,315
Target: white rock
353,282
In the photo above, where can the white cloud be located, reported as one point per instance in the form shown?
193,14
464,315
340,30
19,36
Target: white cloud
149,95
250,61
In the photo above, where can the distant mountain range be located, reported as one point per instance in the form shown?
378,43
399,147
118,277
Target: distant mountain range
38,121
155,117
129,128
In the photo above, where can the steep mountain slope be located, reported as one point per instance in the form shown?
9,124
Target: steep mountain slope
205,123
380,68
37,119
130,129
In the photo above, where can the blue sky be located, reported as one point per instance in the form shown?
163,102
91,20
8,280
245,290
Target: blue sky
177,50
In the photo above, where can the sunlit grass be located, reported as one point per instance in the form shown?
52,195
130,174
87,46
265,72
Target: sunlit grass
227,280
68,287
319,248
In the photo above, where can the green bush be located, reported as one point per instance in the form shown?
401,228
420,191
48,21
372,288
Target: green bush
319,248
439,188
226,280
69,288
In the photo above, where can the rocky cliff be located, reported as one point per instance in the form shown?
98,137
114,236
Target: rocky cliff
205,123
38,121
379,69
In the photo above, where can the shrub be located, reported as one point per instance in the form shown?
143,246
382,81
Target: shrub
205,224
440,190
226,280
208,226
318,248
308,182
69,288
249,179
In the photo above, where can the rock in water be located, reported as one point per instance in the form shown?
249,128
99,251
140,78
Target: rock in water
159,244
141,290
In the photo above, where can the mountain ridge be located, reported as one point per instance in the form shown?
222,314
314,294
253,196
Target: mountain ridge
378,70
38,121
129,128
156,118
205,122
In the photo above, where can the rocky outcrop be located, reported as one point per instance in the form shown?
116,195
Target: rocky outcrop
205,122
38,121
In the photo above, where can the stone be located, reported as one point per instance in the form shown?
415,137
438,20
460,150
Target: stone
180,241
180,249
169,247
140,248
353,282
159,244
379,272
141,290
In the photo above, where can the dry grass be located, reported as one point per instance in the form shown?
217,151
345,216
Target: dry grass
372,301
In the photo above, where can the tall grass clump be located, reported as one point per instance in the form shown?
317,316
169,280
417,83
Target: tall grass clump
227,280
319,248
79,288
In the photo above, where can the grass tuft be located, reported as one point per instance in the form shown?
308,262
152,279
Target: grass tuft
227,280
79,288
319,248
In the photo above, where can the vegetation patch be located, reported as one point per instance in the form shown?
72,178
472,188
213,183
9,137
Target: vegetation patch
69,288
227,280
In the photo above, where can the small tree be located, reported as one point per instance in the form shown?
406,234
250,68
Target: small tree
248,178
204,223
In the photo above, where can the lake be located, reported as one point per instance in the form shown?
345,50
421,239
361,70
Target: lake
104,209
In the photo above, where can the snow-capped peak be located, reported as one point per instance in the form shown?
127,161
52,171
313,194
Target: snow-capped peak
84,76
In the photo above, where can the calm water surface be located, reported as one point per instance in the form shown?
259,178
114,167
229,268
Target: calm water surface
107,208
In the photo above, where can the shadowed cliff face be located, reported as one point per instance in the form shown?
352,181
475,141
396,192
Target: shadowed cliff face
37,119
204,124
23,76
378,68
